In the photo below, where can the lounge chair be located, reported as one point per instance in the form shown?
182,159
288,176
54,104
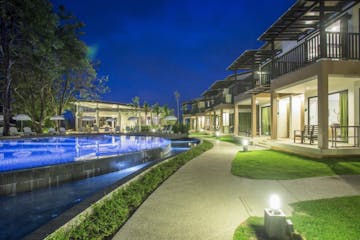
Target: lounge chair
107,129
62,131
14,132
96,129
52,131
28,131
117,129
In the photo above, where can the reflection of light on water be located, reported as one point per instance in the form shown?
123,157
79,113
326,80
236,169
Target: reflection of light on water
45,151
21,154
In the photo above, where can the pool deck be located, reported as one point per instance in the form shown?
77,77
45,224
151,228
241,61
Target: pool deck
203,200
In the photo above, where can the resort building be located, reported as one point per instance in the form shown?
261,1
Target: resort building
214,110
110,116
307,82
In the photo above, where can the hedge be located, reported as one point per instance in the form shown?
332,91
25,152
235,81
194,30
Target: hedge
109,215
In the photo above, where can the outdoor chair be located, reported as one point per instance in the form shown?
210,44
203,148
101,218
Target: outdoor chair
62,131
96,129
28,131
52,131
14,132
117,129
310,132
107,129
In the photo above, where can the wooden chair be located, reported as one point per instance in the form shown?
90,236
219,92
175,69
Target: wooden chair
309,132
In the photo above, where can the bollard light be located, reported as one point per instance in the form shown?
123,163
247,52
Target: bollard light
217,134
275,222
153,130
245,144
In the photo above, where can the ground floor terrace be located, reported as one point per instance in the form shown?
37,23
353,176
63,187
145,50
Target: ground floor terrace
218,120
316,107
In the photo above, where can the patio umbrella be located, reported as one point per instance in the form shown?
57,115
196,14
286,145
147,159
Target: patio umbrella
170,118
88,119
110,120
21,118
57,118
133,118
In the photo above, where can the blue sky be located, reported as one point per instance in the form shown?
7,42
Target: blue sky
150,48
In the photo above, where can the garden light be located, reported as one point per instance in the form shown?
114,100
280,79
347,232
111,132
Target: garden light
245,144
275,222
217,133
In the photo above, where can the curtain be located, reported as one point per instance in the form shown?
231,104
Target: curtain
343,109
265,121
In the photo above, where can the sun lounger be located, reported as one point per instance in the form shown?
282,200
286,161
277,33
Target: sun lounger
62,131
107,129
117,129
28,131
96,129
14,132
52,131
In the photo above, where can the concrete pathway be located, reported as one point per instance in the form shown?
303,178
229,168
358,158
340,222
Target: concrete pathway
204,201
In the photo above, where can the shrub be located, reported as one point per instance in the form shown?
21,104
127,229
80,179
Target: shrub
108,216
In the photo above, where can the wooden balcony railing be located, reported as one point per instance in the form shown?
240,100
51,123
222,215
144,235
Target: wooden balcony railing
341,46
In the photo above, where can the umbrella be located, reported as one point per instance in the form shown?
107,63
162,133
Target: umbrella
57,118
133,118
21,118
110,120
88,118
170,118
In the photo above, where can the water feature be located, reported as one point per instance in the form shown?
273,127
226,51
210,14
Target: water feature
25,212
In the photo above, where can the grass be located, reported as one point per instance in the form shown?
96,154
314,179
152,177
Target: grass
335,218
270,164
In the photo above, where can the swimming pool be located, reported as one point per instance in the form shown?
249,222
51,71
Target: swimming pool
16,154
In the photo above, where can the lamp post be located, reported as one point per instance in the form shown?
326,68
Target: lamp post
245,144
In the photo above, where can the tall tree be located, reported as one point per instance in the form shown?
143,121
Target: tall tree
177,98
135,102
156,109
146,108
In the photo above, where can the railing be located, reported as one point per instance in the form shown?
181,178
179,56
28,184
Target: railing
338,46
223,99
345,134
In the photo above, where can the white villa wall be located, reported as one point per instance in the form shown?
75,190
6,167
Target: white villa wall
295,113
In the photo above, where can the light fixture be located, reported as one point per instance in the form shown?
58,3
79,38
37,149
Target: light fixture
217,134
245,144
275,223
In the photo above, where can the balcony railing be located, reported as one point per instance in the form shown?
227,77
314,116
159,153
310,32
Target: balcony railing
224,99
338,46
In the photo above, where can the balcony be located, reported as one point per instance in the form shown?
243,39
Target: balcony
224,99
338,46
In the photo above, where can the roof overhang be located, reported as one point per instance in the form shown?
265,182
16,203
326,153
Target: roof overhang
304,17
251,59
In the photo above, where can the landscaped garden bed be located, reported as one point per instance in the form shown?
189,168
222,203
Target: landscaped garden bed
109,215
335,218
270,164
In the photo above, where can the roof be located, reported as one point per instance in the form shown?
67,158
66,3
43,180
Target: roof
102,104
303,17
251,59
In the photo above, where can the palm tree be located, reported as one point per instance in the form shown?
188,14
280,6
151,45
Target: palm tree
146,110
156,110
135,102
177,97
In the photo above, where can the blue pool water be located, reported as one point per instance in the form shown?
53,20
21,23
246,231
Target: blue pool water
25,153
26,212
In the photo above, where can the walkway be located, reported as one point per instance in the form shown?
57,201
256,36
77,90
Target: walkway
204,201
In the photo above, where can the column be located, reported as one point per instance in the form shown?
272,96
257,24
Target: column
221,121
97,116
323,108
214,121
253,116
77,117
236,120
274,114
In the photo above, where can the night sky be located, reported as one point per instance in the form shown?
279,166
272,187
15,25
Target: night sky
150,48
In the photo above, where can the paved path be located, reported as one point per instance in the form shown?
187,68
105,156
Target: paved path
204,201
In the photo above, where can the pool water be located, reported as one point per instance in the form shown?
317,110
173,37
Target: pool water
26,212
16,154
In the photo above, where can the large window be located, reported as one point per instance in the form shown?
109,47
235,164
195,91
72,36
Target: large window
338,110
265,120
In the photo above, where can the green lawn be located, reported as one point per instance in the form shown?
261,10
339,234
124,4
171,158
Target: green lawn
269,164
336,218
